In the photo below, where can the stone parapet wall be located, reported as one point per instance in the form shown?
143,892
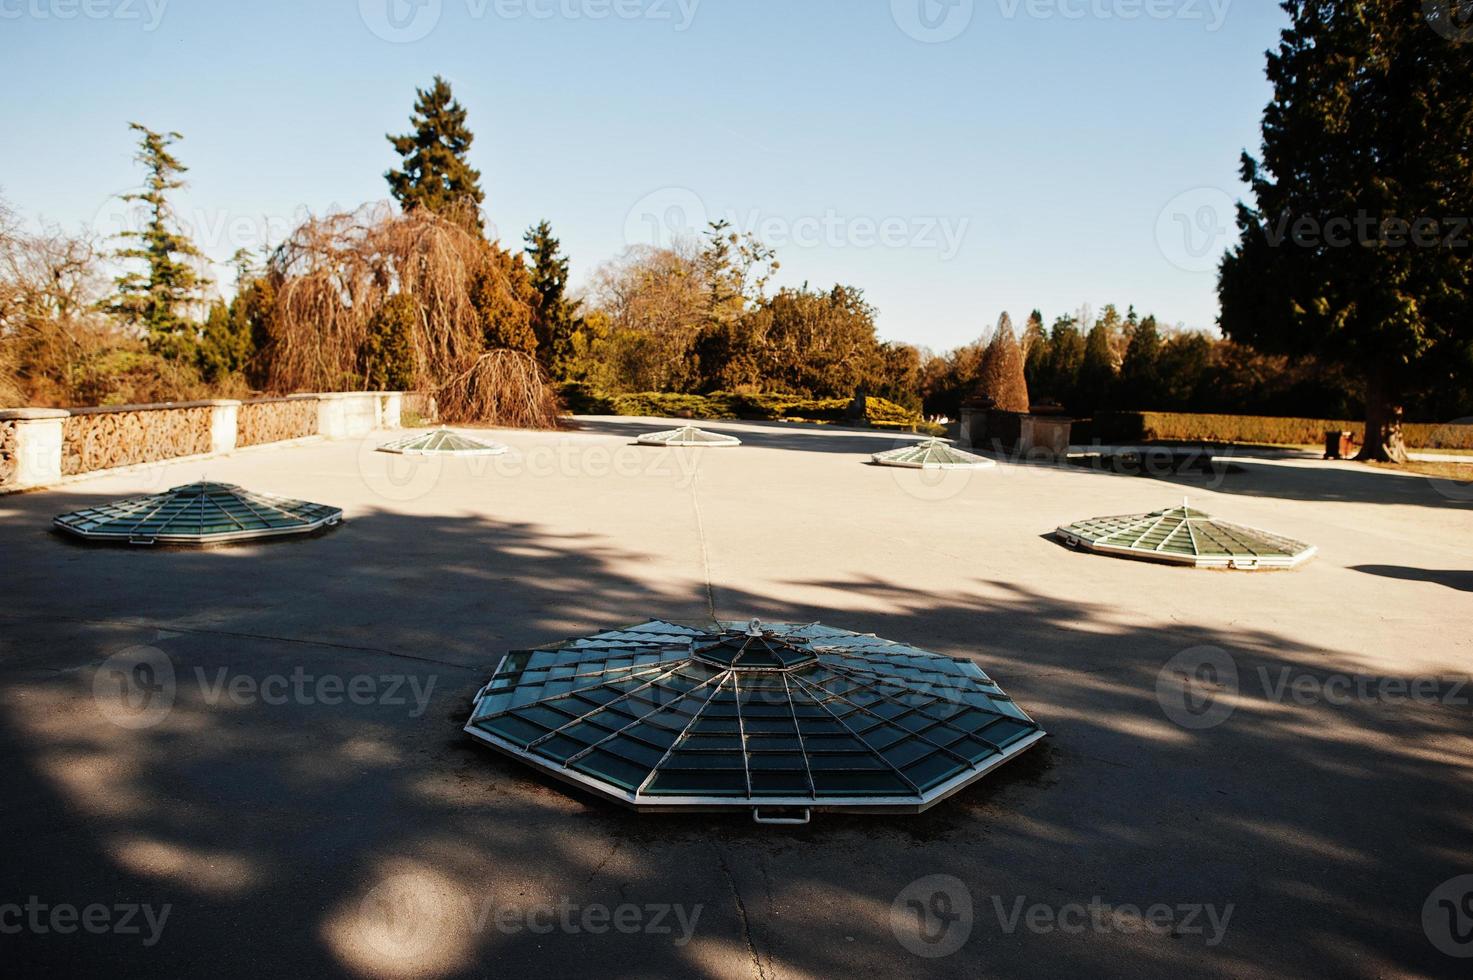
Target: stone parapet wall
275,420
40,446
101,439
8,449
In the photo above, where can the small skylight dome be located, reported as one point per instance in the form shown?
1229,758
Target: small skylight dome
773,718
1185,536
933,454
689,435
443,442
198,514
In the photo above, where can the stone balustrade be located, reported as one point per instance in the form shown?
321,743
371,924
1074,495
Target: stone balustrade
40,446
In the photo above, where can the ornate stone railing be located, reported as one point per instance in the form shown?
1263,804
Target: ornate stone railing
103,438
275,420
39,446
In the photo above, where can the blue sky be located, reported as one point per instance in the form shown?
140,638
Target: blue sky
953,158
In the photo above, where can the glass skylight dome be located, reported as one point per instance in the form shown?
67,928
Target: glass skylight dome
1185,536
774,718
198,514
933,454
689,435
443,442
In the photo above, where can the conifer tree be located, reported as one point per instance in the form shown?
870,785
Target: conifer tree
556,318
1097,370
1002,382
435,174
1349,250
157,300
1140,377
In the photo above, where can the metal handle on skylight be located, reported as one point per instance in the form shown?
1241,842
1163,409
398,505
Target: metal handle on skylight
782,821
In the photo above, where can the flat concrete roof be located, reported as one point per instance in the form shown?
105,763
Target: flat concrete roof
266,740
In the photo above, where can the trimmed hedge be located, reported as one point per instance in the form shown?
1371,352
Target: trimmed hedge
1117,427
581,399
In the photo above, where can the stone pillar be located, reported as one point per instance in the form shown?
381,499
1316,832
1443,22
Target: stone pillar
391,409
38,435
224,425
346,414
1045,436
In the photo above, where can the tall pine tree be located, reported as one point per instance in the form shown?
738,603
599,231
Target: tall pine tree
556,317
157,300
1002,383
1369,136
435,174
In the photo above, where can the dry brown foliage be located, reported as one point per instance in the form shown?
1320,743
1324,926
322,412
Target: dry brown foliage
334,273
504,386
1002,383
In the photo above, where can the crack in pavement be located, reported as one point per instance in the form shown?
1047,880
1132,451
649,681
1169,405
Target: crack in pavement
741,907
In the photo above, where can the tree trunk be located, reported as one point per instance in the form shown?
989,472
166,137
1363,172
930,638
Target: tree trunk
1384,443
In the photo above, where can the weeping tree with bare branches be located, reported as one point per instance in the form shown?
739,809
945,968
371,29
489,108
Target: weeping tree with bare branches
376,298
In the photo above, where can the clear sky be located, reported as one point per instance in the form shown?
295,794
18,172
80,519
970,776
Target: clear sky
953,158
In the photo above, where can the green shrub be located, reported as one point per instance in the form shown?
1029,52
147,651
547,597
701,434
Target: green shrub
1118,427
582,399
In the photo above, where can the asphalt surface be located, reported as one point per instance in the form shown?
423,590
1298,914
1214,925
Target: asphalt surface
248,762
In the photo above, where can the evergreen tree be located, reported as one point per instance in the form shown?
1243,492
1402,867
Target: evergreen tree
232,331
556,318
388,356
436,175
1035,353
1097,370
157,300
1140,377
503,295
1003,383
1065,358
1366,139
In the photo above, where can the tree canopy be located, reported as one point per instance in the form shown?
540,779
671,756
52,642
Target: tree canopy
436,174
157,299
1355,247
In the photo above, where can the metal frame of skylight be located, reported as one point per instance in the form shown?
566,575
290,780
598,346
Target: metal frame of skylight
715,440
130,535
642,801
894,457
1251,561
401,447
